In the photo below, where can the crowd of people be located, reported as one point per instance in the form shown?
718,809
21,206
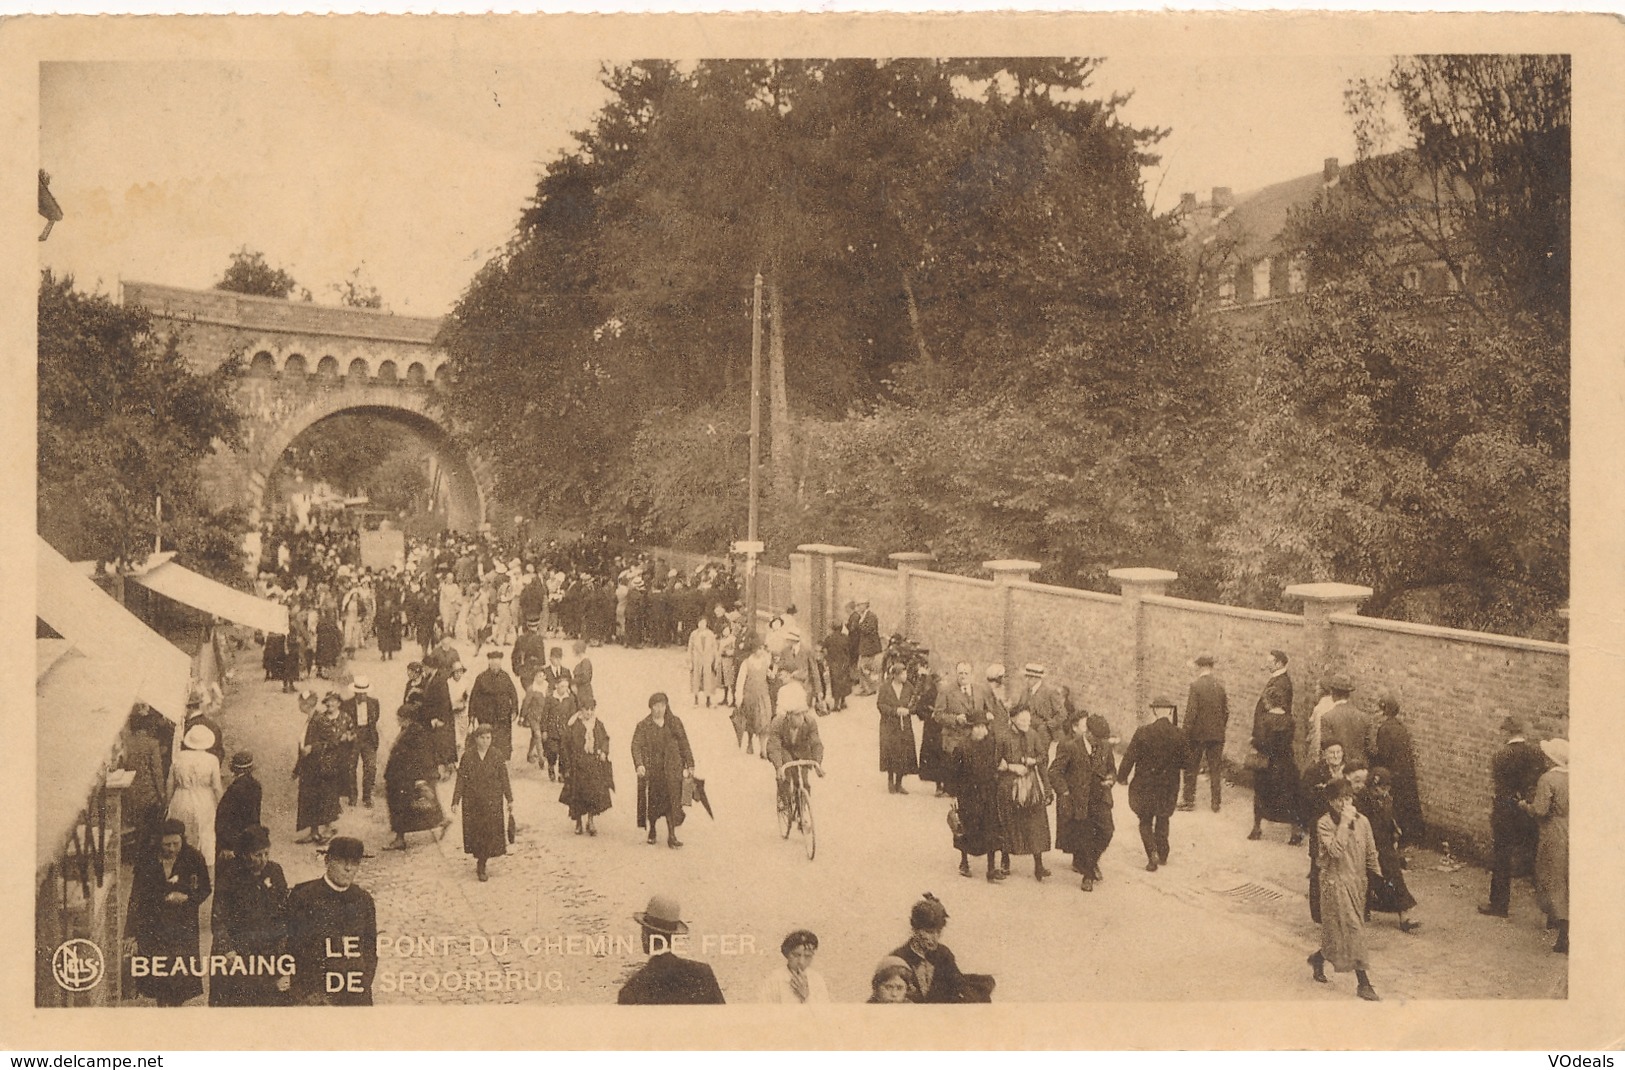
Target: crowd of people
1024,769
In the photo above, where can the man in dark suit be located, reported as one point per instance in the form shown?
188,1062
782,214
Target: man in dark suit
494,701
333,933
361,709
1155,757
238,809
1207,715
666,978
529,650
1277,693
1514,770
956,710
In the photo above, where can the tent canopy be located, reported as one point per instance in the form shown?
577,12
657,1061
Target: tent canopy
94,622
200,592
82,704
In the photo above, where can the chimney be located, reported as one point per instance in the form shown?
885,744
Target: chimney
1223,198
1329,170
1187,203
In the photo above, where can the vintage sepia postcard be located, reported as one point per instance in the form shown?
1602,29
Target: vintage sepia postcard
1100,521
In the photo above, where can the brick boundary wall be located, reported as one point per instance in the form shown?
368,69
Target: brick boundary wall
1115,651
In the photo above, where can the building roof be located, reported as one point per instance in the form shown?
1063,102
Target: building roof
1259,219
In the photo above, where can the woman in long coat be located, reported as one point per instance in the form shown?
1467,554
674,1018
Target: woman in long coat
895,703
1550,807
293,652
662,756
703,652
319,770
410,774
169,884
1348,854
838,655
388,624
1395,753
329,639
1071,777
195,787
1099,828
276,651
1024,794
1276,790
976,782
728,663
755,709
249,918
1389,892
482,780
933,759
588,776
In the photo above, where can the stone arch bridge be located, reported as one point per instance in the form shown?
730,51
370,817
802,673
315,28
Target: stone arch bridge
306,363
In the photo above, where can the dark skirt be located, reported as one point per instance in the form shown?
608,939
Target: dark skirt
1024,828
588,782
933,760
979,818
1276,792
1388,894
1408,809
414,807
318,795
897,745
388,628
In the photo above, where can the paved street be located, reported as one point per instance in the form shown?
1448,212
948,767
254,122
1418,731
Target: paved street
1225,920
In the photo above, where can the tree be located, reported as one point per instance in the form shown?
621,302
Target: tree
122,421
248,273
1480,173
357,291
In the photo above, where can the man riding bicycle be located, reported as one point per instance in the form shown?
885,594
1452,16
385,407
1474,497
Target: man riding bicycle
792,737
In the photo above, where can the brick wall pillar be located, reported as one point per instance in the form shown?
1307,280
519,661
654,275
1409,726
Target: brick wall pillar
815,601
1136,584
907,564
1006,572
1321,602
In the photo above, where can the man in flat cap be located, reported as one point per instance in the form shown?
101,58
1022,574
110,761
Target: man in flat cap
1155,757
333,932
667,978
1345,722
493,700
1207,715
1514,771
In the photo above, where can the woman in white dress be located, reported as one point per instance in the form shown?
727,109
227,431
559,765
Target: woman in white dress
195,787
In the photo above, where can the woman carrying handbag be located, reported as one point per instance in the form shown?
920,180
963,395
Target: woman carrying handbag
1024,794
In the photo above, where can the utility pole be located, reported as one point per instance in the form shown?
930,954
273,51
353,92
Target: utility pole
753,547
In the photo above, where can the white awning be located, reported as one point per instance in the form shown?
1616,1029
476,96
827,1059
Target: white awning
105,631
200,592
81,705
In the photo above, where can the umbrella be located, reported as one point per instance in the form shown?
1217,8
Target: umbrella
694,789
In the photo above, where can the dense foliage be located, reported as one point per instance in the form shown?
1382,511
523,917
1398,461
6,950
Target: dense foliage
122,421
978,341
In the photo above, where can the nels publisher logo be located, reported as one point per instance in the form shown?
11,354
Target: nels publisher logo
77,965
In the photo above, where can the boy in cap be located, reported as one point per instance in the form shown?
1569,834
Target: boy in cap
333,932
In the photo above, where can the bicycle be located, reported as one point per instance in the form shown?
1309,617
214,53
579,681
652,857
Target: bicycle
797,812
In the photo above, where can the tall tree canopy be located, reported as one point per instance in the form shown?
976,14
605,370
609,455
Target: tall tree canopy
124,420
250,273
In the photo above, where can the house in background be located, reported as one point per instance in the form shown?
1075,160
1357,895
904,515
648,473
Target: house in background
1245,256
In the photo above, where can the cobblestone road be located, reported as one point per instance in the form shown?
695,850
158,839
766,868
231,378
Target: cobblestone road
1226,920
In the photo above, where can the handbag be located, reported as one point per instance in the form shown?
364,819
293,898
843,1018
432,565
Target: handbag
513,827
1024,788
956,824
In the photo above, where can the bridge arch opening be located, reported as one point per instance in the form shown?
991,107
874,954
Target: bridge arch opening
416,374
263,366
402,460
387,372
295,365
327,369
358,371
